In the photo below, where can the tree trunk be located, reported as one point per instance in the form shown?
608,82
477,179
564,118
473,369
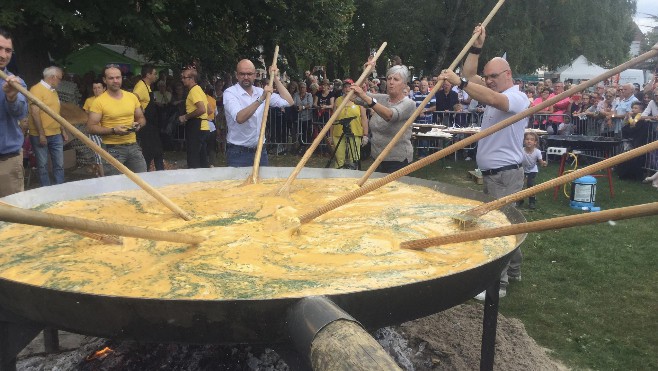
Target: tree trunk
30,57
453,14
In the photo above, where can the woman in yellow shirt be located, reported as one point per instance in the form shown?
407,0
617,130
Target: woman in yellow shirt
349,142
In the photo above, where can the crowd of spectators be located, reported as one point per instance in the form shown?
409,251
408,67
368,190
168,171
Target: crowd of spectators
603,110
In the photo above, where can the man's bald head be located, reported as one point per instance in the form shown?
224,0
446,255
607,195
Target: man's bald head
245,63
498,75
246,74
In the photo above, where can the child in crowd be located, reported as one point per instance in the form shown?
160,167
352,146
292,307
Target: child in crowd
634,116
531,157
461,117
629,130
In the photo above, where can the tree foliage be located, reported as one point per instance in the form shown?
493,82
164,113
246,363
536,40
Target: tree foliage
540,33
337,33
217,33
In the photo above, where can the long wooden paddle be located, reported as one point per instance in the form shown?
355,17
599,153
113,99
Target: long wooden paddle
470,216
253,177
537,226
423,104
309,152
31,217
96,148
104,238
469,140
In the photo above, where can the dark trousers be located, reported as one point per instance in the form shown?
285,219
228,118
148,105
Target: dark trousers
157,159
195,146
391,166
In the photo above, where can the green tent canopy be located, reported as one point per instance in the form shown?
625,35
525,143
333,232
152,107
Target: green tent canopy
95,57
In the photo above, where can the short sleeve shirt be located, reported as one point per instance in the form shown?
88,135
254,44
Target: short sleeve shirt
504,147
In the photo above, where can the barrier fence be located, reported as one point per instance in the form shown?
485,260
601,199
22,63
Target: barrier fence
291,131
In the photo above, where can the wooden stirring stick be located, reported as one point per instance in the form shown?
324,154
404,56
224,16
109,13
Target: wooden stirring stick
471,139
541,225
253,177
309,152
421,107
468,217
104,238
31,217
96,148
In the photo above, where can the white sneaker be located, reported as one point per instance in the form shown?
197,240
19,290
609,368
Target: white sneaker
483,295
467,159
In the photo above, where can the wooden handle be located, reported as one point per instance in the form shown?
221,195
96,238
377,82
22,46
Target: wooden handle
327,126
423,104
567,177
253,178
470,140
96,148
108,239
541,225
31,217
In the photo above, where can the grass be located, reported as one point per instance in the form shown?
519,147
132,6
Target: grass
588,293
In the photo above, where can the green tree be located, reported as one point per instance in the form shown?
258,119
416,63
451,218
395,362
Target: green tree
217,33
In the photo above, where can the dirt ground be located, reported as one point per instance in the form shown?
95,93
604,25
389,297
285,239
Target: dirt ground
449,340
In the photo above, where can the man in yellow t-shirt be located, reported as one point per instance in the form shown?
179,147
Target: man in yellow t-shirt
195,120
46,135
116,115
149,136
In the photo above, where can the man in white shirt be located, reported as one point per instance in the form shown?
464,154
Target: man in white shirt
243,107
499,155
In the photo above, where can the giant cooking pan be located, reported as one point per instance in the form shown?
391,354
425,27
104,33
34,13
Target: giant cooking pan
229,321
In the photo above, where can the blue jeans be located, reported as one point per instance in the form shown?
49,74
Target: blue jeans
54,147
239,156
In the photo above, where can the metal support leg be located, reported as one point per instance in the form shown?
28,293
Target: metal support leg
13,338
50,340
490,321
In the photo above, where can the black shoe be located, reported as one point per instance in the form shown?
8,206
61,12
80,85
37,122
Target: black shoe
532,205
519,203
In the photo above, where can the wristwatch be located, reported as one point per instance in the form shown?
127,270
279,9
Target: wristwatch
260,100
374,101
464,82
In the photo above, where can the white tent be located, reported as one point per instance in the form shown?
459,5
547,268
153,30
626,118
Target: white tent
580,69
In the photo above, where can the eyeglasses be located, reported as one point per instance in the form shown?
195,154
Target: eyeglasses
493,75
112,65
246,74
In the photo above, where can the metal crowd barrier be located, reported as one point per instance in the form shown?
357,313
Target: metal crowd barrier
461,119
651,162
293,131
551,123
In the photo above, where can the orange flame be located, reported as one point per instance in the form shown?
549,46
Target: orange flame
100,354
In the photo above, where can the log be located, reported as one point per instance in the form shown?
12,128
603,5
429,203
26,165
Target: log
344,345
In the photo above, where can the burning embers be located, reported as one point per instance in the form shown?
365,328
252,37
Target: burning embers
99,355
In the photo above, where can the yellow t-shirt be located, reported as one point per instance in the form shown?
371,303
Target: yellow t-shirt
50,99
351,110
197,95
116,112
142,91
88,103
212,106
